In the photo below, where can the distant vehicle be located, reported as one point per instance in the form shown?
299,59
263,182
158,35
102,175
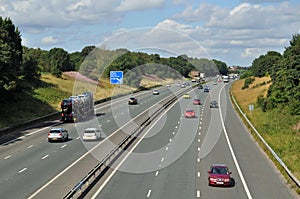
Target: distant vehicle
155,92
225,79
190,113
168,85
200,86
132,100
206,89
213,104
193,80
77,107
197,102
219,175
56,134
215,82
90,134
182,85
186,96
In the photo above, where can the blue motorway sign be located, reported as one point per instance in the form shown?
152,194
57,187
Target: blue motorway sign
116,77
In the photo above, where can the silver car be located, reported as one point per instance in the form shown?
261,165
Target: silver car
90,134
56,134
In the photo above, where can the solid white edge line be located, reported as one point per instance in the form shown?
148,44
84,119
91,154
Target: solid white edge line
198,194
232,152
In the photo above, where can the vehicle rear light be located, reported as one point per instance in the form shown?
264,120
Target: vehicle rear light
60,134
48,133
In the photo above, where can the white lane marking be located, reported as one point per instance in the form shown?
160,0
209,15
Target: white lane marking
149,193
198,174
100,125
122,161
198,159
46,156
63,146
173,133
162,159
198,194
78,138
176,127
200,127
198,149
7,157
199,140
232,152
200,122
178,122
108,120
156,173
22,170
87,153
167,148
170,140
34,132
30,146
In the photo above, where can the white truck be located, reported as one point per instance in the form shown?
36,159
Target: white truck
225,78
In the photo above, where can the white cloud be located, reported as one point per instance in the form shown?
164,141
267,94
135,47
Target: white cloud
49,41
132,5
251,52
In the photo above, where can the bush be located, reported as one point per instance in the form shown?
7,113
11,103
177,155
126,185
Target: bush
247,82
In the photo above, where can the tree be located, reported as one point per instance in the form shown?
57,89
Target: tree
265,64
222,66
10,55
30,70
59,61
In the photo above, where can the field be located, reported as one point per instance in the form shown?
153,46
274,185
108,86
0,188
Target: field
278,128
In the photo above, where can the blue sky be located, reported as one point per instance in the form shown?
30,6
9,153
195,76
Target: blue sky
235,32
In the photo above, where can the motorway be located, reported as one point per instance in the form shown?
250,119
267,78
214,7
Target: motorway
171,161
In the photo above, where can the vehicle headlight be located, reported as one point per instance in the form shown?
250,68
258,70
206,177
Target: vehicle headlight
226,180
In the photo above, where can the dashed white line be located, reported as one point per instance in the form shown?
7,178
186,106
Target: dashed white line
167,148
7,157
22,170
198,174
156,173
30,146
173,133
198,194
176,127
198,148
63,146
78,138
199,140
170,140
108,121
46,156
162,159
200,127
149,193
198,159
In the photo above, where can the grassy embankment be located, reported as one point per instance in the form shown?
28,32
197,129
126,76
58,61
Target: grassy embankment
46,99
277,127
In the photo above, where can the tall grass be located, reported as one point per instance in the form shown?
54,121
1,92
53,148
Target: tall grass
276,126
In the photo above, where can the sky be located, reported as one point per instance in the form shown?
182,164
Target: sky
235,32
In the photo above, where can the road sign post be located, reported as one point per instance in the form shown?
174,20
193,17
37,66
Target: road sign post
116,77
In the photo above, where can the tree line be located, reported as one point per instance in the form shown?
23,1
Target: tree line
284,71
21,67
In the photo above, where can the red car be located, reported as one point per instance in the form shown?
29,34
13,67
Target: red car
190,113
219,175
197,102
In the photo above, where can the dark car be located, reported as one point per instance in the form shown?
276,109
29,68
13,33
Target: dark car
213,104
219,175
206,89
200,87
132,100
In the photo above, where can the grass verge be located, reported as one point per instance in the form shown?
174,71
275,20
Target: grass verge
276,126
